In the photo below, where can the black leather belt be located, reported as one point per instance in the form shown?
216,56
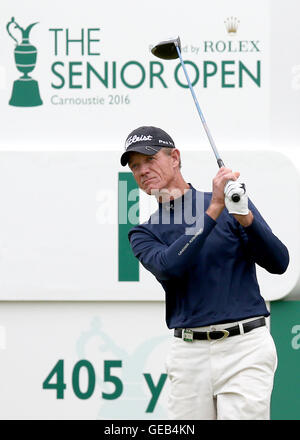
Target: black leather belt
189,335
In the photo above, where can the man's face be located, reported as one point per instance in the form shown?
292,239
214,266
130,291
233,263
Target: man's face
154,172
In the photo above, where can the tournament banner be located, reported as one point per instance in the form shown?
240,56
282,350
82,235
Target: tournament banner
85,80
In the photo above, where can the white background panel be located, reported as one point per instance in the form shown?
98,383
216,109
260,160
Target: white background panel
59,232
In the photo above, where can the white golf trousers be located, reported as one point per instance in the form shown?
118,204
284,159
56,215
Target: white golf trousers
228,379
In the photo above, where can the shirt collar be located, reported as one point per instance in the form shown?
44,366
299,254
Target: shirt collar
179,202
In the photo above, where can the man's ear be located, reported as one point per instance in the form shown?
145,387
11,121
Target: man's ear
176,157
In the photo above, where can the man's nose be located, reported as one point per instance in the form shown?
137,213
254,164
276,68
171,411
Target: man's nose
144,169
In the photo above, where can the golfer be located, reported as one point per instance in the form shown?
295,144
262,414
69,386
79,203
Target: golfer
202,248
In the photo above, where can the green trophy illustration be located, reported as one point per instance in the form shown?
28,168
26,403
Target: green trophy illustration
25,90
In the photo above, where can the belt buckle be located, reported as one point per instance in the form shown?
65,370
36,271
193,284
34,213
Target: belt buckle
187,335
225,335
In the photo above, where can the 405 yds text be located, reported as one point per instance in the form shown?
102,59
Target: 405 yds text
56,381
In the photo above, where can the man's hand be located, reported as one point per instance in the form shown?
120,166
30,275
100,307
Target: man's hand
217,202
240,207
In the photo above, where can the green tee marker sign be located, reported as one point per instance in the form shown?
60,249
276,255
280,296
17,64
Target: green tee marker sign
285,329
128,216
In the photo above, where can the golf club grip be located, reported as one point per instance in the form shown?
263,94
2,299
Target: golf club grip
235,197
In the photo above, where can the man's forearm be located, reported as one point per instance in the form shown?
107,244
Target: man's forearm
169,261
214,210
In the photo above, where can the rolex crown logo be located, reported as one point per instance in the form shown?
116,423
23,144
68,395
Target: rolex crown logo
231,25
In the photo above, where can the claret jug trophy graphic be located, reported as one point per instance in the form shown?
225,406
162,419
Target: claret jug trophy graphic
25,89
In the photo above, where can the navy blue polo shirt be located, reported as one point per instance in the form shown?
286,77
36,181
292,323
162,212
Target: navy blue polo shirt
207,267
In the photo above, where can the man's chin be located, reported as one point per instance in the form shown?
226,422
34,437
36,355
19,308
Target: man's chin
154,191
151,191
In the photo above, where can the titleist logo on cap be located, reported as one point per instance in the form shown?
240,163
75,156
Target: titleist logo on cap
135,138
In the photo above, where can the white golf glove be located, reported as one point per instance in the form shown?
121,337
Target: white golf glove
240,207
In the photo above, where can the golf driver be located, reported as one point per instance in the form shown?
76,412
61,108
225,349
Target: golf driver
169,50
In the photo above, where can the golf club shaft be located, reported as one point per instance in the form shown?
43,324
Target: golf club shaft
211,141
234,197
